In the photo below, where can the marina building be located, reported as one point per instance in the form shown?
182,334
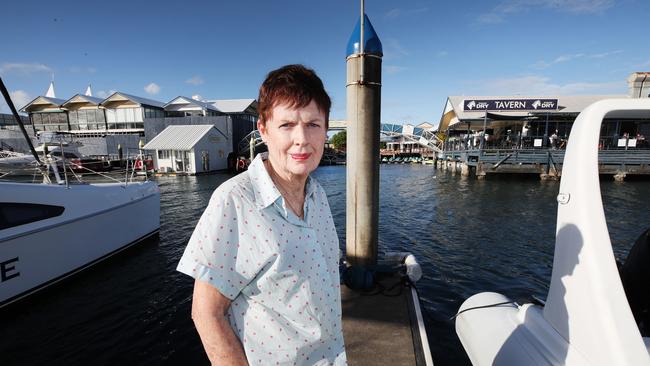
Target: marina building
123,120
125,112
47,114
187,107
402,142
528,134
190,149
84,114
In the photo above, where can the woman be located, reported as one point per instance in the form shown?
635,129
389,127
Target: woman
264,254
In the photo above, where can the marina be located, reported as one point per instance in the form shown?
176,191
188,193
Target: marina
137,304
205,230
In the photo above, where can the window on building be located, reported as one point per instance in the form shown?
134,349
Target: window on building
73,116
163,154
99,115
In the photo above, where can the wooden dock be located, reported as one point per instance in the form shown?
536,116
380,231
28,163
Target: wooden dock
545,162
384,326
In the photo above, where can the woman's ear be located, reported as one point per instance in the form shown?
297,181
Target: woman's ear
261,127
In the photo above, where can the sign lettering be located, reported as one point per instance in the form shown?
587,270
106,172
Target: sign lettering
472,105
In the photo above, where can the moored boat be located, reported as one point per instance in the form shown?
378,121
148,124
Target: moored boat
50,231
590,316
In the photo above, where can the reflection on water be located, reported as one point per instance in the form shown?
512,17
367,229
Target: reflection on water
470,236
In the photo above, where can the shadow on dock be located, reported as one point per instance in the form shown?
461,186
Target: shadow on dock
380,326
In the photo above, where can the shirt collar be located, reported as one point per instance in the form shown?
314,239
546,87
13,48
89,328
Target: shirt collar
266,193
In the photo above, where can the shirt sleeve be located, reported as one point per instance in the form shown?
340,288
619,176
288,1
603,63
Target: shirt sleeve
220,250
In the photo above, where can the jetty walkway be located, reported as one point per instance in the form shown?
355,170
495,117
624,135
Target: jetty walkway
546,162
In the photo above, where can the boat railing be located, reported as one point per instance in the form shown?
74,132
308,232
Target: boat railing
64,170
128,178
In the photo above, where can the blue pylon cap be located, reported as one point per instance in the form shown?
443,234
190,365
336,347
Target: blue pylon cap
371,44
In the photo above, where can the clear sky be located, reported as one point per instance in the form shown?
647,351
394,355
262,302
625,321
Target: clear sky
223,49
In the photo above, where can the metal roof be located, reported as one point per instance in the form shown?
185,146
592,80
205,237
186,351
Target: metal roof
136,99
235,105
182,137
89,99
198,103
54,101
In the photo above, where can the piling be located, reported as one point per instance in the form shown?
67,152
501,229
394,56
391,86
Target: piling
363,89
380,327
464,169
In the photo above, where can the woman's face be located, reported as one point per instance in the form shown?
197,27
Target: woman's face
295,138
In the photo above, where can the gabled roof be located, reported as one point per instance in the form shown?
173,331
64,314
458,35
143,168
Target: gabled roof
134,99
80,98
179,137
235,105
41,100
186,100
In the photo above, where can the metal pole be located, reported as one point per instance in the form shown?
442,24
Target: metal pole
142,167
362,165
484,128
65,172
546,133
251,147
5,93
362,76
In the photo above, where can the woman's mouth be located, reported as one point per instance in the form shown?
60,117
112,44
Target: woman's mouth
300,157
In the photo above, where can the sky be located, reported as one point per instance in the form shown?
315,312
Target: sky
224,49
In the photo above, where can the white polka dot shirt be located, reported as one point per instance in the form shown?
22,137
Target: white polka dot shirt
281,272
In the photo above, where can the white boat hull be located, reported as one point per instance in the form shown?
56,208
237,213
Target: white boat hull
98,221
586,318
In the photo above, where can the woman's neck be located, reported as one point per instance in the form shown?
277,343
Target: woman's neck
292,184
292,191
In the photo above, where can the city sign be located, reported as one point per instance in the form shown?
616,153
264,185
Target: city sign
471,105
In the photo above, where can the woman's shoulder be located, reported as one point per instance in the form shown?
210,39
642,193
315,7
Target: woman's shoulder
317,188
235,188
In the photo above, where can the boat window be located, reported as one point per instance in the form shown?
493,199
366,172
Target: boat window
15,214
68,155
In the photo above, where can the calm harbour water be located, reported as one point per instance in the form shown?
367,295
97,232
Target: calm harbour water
470,236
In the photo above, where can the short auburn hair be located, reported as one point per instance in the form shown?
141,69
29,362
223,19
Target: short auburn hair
295,86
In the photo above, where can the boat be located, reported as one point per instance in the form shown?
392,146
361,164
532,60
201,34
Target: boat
588,316
51,231
63,152
66,153
16,163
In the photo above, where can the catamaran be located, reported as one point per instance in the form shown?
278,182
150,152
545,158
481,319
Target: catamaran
53,230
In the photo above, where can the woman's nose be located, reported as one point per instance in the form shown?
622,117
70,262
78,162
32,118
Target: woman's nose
300,135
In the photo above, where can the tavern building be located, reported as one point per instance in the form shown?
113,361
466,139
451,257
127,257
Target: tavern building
528,134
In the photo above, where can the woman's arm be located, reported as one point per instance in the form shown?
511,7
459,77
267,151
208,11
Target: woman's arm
209,309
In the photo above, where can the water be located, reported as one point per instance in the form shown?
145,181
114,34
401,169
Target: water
470,236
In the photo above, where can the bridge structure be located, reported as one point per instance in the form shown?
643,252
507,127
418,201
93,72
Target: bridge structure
423,137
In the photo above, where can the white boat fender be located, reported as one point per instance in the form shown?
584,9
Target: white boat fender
413,268
363,278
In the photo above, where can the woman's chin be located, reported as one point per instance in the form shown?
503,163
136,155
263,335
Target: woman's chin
302,168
